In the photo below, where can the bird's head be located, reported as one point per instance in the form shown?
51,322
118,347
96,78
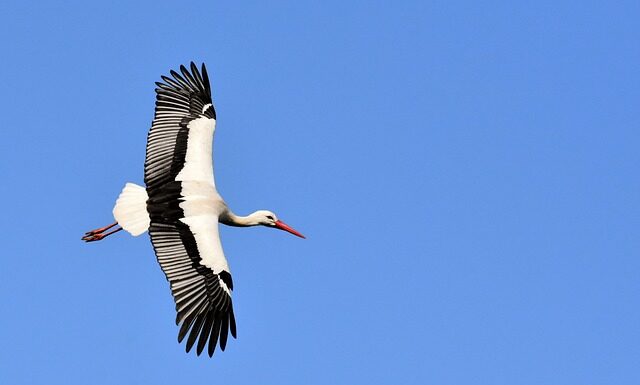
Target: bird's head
269,219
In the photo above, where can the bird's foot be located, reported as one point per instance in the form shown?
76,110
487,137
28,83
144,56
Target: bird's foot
93,237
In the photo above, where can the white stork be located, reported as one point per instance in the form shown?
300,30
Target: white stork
181,209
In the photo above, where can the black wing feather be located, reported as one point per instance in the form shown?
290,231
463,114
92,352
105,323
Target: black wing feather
206,330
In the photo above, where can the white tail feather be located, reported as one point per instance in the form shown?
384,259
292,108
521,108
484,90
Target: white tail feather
130,210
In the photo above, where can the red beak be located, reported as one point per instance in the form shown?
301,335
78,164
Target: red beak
283,226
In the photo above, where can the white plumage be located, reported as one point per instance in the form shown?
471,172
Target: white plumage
130,210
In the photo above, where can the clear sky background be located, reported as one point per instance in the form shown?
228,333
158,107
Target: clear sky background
467,175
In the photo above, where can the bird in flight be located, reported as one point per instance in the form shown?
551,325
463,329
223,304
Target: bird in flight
181,208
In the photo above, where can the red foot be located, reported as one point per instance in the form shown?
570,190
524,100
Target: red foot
93,237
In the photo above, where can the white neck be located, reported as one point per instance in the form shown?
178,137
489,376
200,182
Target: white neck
231,219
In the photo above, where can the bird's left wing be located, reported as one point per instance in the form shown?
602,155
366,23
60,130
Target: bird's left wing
190,254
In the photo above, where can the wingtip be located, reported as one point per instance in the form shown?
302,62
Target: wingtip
176,75
205,76
194,70
232,324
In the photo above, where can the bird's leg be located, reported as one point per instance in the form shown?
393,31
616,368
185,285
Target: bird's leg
101,229
98,234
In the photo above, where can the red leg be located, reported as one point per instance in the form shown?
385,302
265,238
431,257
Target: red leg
101,229
93,236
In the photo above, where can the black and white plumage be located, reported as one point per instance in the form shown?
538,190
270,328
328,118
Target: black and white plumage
181,209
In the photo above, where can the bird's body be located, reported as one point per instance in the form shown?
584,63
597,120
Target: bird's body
181,209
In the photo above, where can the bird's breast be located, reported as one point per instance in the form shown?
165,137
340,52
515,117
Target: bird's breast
200,198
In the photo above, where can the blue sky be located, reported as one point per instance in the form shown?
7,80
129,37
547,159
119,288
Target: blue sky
466,174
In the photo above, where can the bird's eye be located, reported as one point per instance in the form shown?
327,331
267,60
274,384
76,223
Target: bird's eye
269,217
